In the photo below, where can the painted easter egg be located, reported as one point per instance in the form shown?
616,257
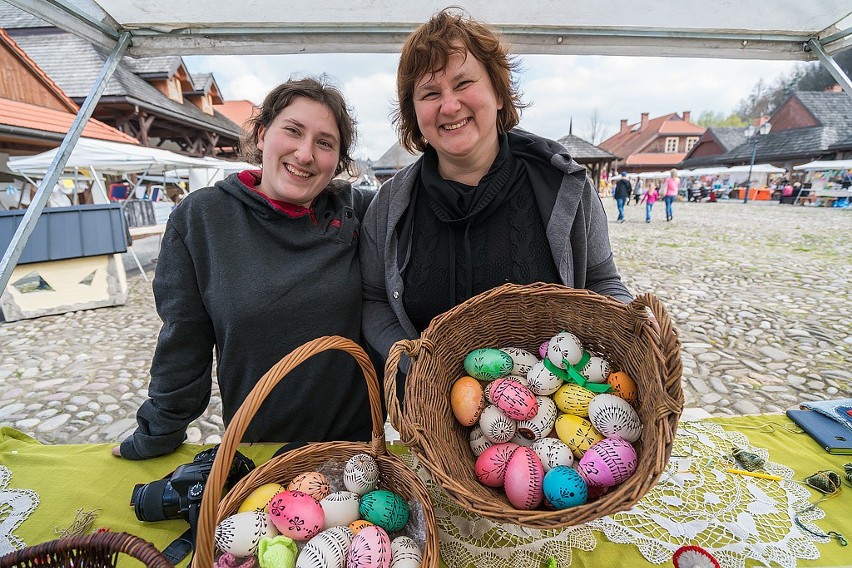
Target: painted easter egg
564,488
467,400
488,364
478,442
541,381
612,416
524,478
371,548
514,399
258,500
326,550
361,474
596,369
405,553
564,345
521,441
313,483
356,526
490,467
553,452
573,399
608,462
577,433
385,509
489,387
240,534
542,423
522,360
623,386
340,508
496,426
296,515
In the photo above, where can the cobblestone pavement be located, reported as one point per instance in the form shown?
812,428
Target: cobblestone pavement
761,295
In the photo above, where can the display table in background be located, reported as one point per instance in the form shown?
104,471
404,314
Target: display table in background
68,478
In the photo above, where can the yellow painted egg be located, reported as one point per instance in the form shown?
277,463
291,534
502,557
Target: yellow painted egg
467,400
356,526
623,386
577,433
573,399
258,500
313,483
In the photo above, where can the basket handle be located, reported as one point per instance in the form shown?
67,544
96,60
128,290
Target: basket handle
668,344
407,433
234,432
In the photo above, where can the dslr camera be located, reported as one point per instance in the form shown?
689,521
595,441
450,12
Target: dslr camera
178,495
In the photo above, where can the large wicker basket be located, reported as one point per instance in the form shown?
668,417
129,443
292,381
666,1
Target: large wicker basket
524,316
393,473
99,550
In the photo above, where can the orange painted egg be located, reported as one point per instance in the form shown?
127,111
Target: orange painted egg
467,400
573,399
313,483
356,526
577,433
623,386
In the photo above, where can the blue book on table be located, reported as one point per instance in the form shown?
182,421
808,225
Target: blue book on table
833,436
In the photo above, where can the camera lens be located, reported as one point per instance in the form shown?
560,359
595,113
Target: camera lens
156,501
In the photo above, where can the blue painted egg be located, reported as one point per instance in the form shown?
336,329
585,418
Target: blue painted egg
564,488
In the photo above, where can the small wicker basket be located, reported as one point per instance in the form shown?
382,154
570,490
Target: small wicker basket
99,550
394,475
523,316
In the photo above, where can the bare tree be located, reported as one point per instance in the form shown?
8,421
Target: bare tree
596,129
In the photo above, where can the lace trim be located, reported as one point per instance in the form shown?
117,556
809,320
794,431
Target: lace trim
15,506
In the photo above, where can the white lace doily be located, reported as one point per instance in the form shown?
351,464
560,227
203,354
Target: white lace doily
734,517
471,540
15,506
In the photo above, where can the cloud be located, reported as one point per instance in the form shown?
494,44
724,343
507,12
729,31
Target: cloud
558,87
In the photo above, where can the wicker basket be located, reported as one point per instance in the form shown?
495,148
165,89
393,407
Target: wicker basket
524,316
99,550
393,473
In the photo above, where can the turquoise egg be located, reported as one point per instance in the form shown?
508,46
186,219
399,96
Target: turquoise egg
564,488
385,509
488,364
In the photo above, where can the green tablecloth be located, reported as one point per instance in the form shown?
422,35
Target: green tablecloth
71,477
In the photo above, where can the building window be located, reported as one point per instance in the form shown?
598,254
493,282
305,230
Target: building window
175,92
691,142
671,145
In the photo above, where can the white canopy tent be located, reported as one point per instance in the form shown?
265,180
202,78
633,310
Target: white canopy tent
825,165
746,29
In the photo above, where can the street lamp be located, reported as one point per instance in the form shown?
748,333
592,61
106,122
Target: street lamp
751,136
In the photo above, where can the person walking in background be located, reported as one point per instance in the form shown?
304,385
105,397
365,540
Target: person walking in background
638,190
622,194
671,188
650,198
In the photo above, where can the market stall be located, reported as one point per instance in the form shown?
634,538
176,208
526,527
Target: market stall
829,182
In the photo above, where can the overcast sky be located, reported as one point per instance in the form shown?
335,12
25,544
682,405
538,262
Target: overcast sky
557,86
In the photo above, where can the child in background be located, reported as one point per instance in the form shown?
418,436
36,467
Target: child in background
650,198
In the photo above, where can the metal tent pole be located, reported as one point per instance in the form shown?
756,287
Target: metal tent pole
832,66
25,229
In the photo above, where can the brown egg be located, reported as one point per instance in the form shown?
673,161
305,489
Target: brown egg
467,400
623,386
313,483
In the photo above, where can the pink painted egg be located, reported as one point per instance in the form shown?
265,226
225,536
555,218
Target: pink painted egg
491,465
564,347
371,548
608,462
542,349
514,399
296,514
313,483
524,477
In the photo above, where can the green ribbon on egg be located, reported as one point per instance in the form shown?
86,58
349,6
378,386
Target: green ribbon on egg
571,373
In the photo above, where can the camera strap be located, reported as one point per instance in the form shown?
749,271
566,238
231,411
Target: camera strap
179,548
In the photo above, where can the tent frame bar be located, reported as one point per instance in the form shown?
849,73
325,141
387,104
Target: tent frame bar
25,229
832,66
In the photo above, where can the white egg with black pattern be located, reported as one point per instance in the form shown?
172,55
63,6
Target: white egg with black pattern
327,549
361,474
405,553
240,534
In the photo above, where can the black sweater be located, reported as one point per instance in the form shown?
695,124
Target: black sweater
254,283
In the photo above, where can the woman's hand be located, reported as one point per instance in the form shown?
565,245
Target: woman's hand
116,451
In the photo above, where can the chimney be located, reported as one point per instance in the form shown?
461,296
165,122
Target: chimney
623,126
644,121
686,115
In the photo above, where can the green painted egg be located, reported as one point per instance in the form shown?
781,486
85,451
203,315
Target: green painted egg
488,364
385,509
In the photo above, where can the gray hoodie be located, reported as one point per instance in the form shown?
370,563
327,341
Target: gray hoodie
576,228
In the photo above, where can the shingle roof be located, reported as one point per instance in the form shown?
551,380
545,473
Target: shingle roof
394,159
165,65
14,18
808,143
830,109
728,137
39,118
583,151
74,64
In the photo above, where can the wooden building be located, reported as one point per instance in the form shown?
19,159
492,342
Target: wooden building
653,144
